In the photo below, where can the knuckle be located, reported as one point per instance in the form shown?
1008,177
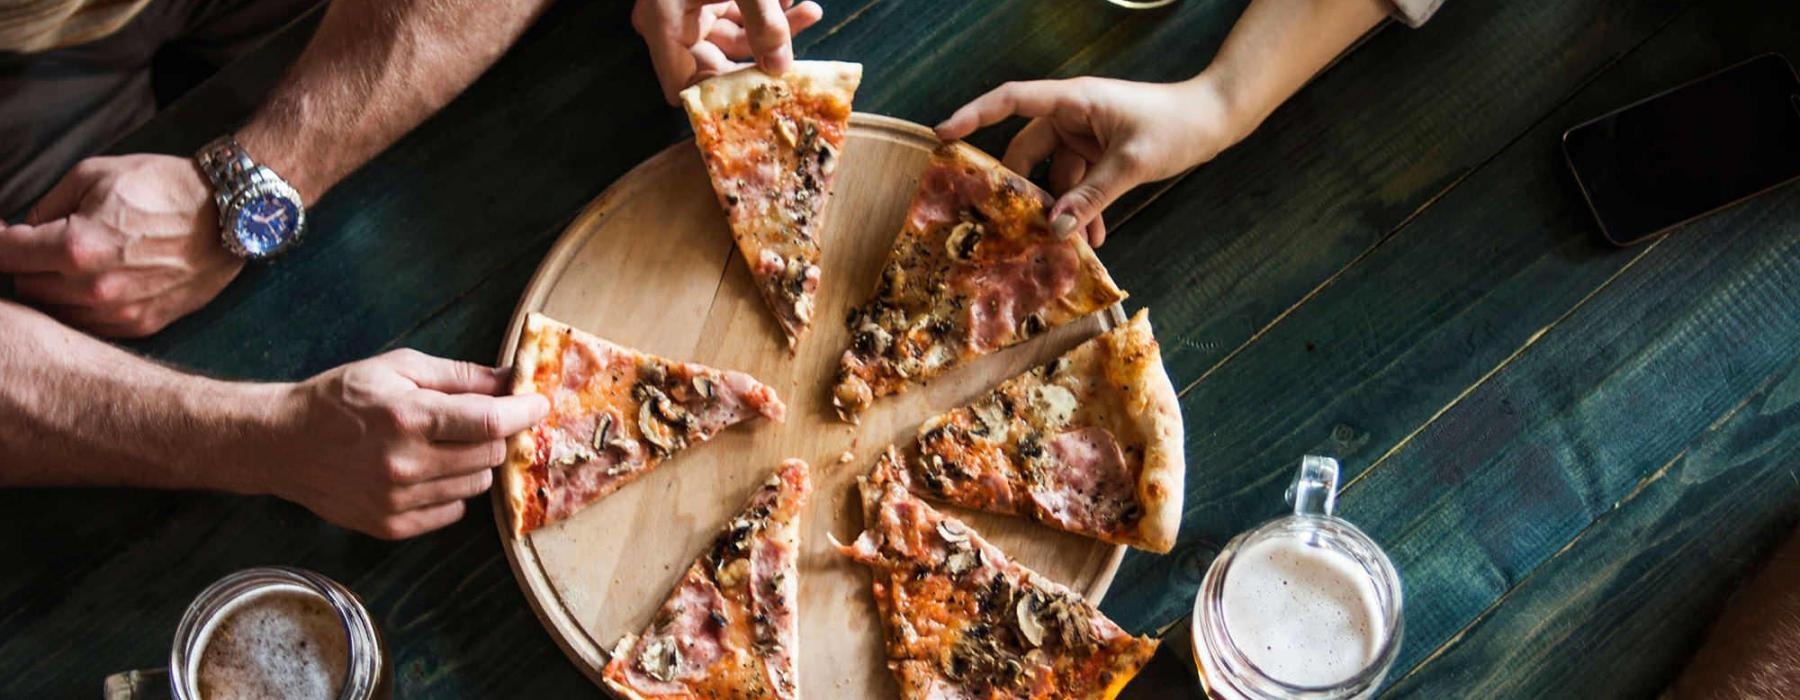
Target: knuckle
493,424
396,470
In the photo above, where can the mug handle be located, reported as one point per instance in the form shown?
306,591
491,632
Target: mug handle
1314,491
142,684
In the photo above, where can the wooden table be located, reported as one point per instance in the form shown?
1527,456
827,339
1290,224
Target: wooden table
1573,452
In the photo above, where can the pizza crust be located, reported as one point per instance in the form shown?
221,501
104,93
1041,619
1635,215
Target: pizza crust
521,448
719,93
1156,410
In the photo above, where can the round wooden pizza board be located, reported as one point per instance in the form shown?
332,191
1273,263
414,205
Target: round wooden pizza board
650,265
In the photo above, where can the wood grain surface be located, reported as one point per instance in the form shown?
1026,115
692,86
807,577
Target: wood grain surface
650,264
1572,451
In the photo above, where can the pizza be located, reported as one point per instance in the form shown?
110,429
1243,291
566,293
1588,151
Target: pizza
1089,443
730,629
771,146
615,413
962,620
975,268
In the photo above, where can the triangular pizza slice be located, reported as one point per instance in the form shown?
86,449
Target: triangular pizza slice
615,413
974,269
771,145
963,620
1090,443
730,629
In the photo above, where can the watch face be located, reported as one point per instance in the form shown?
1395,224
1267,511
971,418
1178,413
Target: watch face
265,223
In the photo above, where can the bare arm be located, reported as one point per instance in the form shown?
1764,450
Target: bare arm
1105,136
124,245
389,446
375,70
81,412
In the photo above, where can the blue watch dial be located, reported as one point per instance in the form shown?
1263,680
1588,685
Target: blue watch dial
266,223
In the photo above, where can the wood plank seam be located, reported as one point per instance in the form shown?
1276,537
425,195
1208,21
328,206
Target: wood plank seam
1508,360
1713,427
1526,130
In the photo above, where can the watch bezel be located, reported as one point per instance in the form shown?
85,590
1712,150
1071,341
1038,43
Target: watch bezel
260,185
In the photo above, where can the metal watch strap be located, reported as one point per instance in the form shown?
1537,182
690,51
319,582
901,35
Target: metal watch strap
228,166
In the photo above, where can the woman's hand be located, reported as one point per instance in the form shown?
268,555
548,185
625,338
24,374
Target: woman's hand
691,40
1102,137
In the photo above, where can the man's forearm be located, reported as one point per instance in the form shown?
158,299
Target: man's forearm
373,71
1278,45
75,411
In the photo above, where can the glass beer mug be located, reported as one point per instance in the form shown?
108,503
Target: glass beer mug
272,631
1305,606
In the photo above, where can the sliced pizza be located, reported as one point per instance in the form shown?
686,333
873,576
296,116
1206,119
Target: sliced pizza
974,269
963,620
771,145
730,629
615,413
1089,443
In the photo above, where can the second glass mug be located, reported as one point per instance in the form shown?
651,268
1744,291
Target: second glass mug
1334,549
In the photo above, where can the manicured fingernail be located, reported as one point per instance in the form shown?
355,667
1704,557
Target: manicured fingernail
1062,225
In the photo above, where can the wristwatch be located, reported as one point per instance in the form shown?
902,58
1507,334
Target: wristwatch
260,214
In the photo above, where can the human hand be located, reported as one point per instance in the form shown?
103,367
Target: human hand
121,246
392,445
691,40
1102,136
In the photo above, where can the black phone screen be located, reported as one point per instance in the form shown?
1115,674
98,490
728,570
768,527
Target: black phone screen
1691,150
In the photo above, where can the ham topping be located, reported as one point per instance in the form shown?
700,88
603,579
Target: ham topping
1006,295
1085,482
683,644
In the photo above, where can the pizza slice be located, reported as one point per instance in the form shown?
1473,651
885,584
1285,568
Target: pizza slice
771,146
1089,443
962,620
974,269
730,629
615,413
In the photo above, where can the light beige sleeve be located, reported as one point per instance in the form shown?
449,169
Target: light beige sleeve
1415,12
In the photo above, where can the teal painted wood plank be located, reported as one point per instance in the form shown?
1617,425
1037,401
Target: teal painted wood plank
1394,338
1618,612
1520,466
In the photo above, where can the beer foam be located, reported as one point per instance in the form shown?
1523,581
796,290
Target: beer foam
281,642
1305,615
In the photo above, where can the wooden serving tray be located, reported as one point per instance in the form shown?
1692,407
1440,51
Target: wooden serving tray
650,264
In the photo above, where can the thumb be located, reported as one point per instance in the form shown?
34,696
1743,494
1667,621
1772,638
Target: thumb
1084,202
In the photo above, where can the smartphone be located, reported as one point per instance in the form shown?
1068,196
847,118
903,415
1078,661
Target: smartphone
1690,151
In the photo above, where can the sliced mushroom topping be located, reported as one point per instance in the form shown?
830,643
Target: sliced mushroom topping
661,659
579,455
991,420
703,387
1026,616
827,158
963,240
893,278
952,532
1032,325
669,411
660,435
603,430
963,561
784,130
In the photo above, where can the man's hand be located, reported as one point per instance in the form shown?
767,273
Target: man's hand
691,40
1103,137
392,445
122,246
